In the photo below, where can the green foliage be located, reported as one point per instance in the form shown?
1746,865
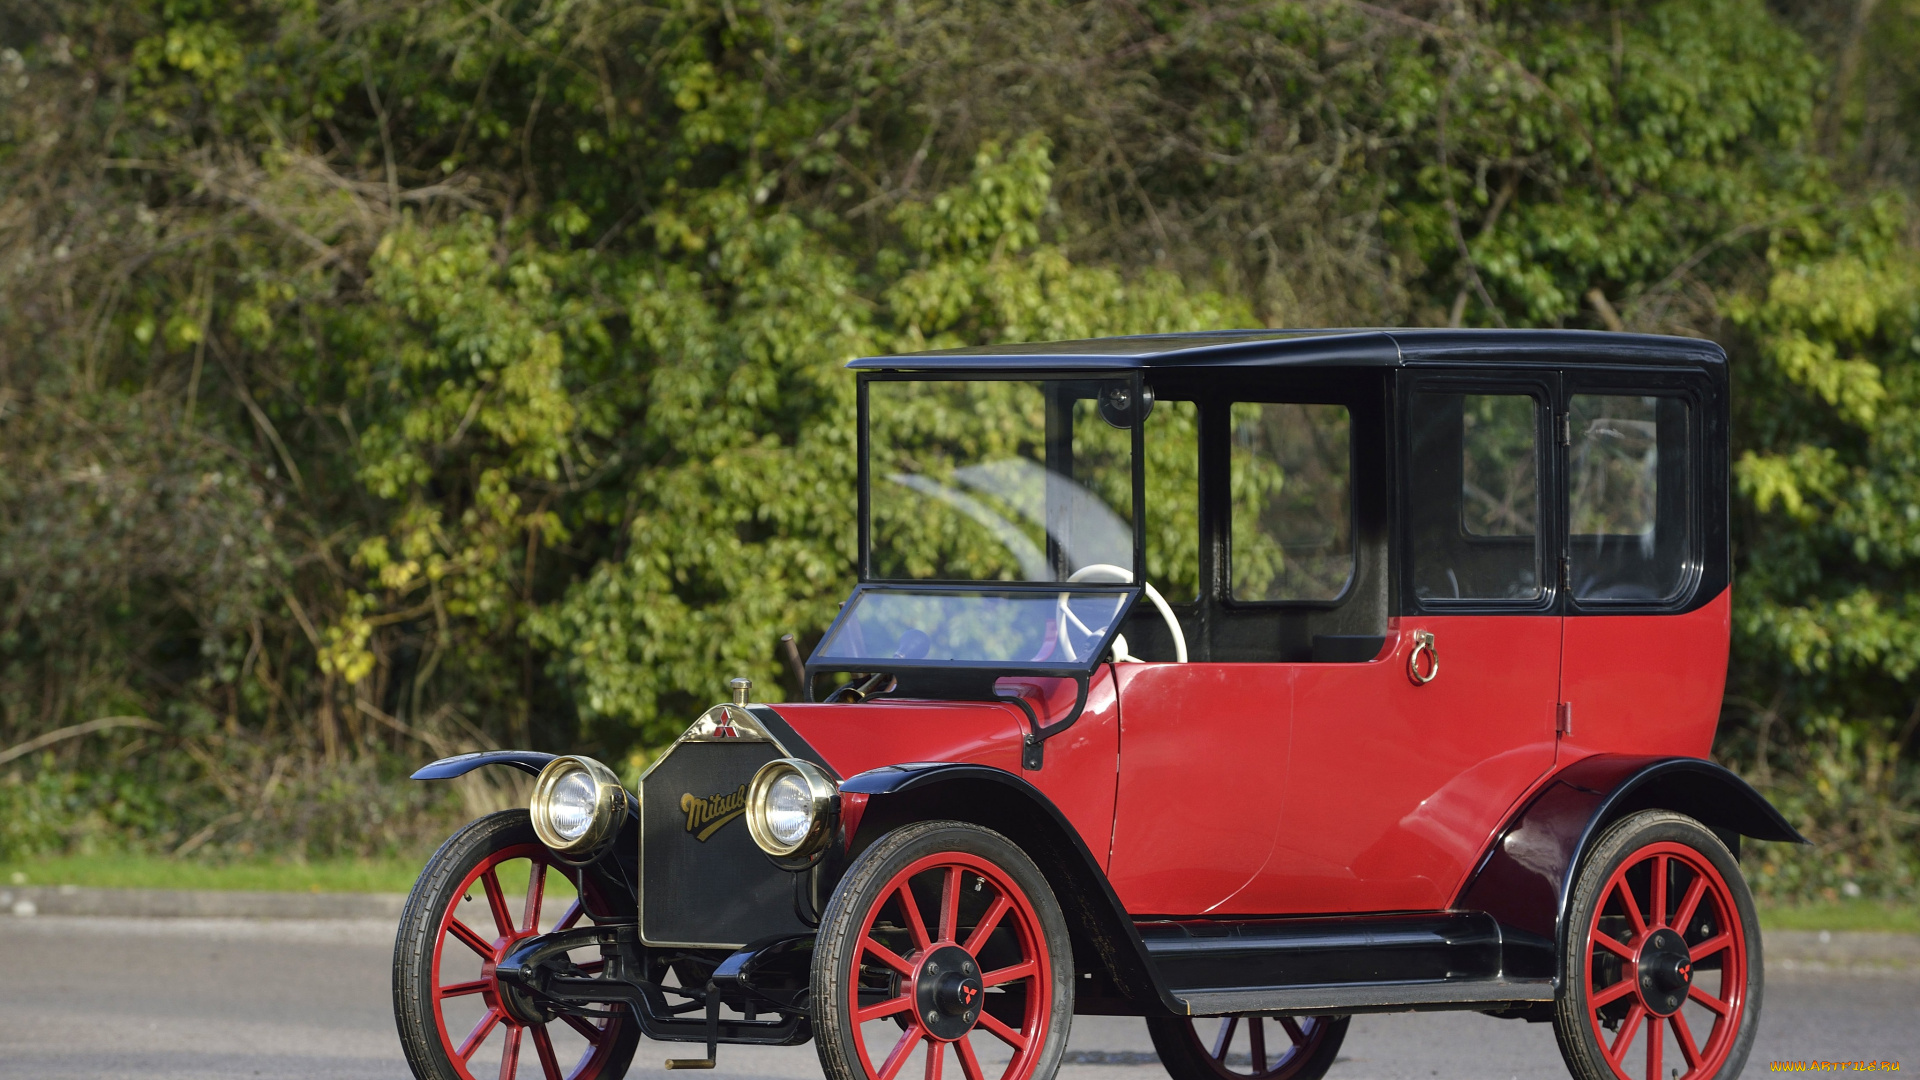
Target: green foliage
1828,614
254,875
1597,152
221,802
382,382
744,529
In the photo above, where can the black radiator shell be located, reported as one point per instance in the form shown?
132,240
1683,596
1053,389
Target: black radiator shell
721,892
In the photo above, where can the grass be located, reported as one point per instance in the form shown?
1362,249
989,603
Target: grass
158,872
338,875
1843,915
395,875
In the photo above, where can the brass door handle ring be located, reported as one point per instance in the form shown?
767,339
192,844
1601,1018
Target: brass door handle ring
1423,643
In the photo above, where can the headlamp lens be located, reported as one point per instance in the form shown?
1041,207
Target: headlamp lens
570,807
789,813
789,809
577,807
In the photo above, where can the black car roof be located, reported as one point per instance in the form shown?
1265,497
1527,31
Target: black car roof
1311,348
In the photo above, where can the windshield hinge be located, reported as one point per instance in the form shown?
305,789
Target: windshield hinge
1566,429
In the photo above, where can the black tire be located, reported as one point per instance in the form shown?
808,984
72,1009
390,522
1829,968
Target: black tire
451,876
979,868
1636,973
1312,1044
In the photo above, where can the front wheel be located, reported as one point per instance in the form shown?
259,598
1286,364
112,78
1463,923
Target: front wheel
1248,1048
488,889
1660,969
943,945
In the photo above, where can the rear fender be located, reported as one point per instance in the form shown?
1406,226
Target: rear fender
1525,880
527,761
1105,941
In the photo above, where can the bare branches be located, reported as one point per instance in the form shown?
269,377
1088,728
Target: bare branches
1471,268
75,731
264,423
1604,308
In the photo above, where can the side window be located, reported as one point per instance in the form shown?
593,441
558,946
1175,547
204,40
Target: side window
1627,497
1173,499
1473,485
1292,499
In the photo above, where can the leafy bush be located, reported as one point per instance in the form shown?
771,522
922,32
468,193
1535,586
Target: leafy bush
381,382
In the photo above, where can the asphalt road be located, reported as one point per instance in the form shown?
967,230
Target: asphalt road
103,999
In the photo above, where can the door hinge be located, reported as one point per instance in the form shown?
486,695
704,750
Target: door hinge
1566,573
1566,429
1563,718
1033,753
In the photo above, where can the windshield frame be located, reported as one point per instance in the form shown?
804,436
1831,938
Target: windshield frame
1136,380
977,680
1096,651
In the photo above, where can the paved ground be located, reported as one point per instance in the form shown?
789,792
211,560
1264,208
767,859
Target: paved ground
201,998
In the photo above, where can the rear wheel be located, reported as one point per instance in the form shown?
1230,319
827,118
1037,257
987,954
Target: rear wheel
1248,1047
942,948
491,886
1660,971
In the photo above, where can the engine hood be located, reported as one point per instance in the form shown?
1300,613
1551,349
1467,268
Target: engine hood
853,738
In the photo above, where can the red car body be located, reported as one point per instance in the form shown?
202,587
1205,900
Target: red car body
1506,635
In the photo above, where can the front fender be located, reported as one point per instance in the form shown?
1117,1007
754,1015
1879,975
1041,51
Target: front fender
1105,940
1527,875
528,761
614,872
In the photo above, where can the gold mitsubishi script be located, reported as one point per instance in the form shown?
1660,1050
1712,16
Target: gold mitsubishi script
706,816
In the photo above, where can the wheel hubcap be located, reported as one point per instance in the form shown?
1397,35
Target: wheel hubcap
1666,970
507,998
948,992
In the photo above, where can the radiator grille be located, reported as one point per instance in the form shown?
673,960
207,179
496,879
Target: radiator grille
702,880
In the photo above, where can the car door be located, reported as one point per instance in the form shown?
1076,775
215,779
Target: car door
1646,637
1203,745
1400,768
1203,754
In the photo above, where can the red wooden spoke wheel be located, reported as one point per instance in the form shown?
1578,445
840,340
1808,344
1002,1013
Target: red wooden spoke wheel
943,948
1662,961
484,892
1248,1047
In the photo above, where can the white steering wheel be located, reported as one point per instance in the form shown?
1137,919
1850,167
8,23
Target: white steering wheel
1109,572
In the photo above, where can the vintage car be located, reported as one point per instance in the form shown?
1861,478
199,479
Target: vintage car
1238,681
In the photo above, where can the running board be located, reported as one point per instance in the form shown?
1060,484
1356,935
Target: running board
1367,963
1369,997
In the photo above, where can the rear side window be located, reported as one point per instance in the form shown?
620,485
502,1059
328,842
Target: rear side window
1628,497
1292,492
1473,492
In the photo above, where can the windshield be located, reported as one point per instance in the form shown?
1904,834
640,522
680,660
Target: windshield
999,480
1042,628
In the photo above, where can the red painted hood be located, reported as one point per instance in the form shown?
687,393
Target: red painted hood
854,738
